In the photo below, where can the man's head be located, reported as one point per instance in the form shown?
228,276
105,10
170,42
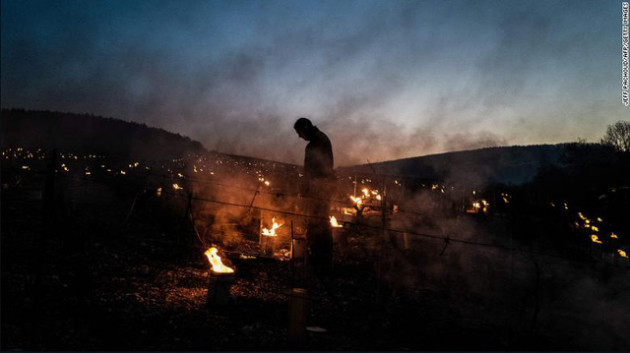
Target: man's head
304,128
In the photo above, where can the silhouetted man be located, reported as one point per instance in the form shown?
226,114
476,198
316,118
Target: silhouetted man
317,188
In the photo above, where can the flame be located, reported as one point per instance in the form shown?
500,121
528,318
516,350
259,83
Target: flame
159,192
348,211
272,232
267,182
595,229
581,216
177,187
595,239
622,253
215,261
333,222
356,200
366,192
614,236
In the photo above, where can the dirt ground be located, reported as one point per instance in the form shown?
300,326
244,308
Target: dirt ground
105,278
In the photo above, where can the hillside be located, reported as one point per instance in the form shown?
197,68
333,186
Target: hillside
85,133
510,165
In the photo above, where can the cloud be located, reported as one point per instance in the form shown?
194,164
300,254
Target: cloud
384,80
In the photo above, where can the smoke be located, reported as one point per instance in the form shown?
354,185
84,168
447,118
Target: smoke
383,80
533,301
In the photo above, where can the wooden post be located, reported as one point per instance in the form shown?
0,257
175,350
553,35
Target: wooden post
298,315
188,204
48,224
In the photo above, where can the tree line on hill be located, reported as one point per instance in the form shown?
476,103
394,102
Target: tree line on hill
87,133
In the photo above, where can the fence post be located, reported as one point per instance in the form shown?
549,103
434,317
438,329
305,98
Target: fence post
298,315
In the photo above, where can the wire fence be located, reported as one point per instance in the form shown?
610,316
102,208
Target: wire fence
448,239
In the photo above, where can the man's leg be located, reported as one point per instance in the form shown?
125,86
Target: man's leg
320,238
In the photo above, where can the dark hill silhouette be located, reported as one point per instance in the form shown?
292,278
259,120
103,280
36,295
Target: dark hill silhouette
509,165
86,133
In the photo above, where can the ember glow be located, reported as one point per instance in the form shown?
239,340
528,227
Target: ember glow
333,222
367,196
271,232
216,262
357,201
479,206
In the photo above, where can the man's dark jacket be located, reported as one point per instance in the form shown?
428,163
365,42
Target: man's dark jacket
318,158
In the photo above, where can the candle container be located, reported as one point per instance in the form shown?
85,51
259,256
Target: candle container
219,284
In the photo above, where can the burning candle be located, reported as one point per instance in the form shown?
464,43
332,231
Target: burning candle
216,262
220,280
333,222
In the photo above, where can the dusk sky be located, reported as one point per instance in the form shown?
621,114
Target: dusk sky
384,79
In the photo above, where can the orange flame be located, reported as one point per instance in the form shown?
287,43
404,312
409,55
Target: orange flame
272,232
215,261
333,222
177,187
614,236
356,200
595,239
622,253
